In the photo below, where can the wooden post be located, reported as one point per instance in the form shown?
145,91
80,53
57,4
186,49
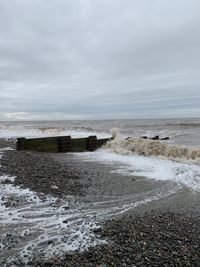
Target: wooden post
64,144
92,143
21,143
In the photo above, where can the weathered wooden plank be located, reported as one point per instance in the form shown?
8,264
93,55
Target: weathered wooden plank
20,145
64,144
92,143
60,144
101,142
79,144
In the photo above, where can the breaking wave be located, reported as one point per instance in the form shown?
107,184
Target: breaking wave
14,131
148,147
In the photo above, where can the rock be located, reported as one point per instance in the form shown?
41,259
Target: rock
165,138
54,187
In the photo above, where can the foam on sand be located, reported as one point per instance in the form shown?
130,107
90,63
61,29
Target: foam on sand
186,174
40,227
45,226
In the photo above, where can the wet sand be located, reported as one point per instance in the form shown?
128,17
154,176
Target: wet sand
121,204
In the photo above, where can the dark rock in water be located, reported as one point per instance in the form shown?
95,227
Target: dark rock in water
164,138
156,137
144,137
127,138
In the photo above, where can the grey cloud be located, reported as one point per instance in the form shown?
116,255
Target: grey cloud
99,58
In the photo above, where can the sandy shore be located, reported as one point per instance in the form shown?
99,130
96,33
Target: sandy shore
163,231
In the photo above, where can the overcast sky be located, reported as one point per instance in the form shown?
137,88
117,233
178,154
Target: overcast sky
93,59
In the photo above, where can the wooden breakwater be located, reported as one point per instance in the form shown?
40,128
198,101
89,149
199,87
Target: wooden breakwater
61,144
65,144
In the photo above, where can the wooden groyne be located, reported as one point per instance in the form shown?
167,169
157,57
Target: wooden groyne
61,144
65,144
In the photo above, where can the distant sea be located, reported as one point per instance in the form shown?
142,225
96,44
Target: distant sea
180,131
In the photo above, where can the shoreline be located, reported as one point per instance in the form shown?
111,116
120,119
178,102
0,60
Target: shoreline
172,228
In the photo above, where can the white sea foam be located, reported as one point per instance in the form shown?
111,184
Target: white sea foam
115,132
31,132
45,226
186,174
148,147
50,227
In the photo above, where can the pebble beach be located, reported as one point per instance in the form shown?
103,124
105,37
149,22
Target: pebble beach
160,233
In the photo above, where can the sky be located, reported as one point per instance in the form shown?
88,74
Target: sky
99,59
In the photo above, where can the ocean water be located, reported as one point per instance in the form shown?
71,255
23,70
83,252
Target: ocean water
180,131
179,157
39,221
176,159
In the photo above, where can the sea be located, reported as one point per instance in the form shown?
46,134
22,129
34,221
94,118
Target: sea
180,131
147,172
157,160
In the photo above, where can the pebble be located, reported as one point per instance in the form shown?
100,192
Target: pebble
54,187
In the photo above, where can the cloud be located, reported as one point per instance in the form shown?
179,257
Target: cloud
99,59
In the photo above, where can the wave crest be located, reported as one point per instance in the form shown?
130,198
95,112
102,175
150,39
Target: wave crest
148,147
